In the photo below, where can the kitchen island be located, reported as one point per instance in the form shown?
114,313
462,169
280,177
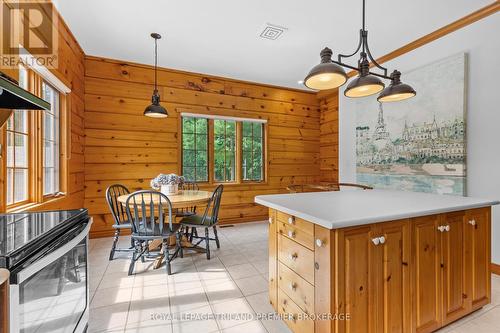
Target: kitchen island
377,260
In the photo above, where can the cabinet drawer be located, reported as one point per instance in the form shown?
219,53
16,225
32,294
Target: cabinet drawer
296,222
295,317
296,257
297,234
298,289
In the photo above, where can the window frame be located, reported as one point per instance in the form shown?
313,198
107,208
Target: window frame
35,120
238,148
29,154
60,101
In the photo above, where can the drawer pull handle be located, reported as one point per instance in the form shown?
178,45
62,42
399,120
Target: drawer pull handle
382,239
441,228
270,220
293,256
293,286
447,228
291,220
319,242
376,240
472,222
291,234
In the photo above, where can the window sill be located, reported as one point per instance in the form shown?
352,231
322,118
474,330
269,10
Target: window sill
34,205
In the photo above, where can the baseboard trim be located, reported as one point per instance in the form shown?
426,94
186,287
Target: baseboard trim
495,269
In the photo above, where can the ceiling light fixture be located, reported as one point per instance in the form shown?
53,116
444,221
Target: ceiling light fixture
155,110
329,74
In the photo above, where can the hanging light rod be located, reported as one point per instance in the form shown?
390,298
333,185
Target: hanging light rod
329,74
155,110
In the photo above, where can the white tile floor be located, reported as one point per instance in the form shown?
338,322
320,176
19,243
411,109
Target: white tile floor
232,282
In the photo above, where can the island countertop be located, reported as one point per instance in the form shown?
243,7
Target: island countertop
341,209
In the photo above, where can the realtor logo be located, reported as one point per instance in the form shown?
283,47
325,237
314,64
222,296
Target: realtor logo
28,33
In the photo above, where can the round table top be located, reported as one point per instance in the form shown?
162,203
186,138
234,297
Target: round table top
183,199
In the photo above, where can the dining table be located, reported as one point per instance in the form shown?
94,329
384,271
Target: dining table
182,200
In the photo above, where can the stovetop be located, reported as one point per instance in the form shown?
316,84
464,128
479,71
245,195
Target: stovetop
20,231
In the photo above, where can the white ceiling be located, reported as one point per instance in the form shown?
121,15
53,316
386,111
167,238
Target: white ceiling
221,37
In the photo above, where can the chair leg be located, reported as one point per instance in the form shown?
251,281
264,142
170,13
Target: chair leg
143,250
113,247
216,237
166,255
207,242
193,233
132,261
178,244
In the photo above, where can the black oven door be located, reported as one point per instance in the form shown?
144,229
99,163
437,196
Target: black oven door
51,294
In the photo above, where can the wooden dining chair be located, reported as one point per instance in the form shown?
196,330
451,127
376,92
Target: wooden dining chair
150,213
207,221
119,216
187,211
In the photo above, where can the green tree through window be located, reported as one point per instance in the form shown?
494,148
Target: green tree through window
195,149
224,150
252,150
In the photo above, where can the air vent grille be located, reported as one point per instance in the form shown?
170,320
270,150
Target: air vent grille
272,31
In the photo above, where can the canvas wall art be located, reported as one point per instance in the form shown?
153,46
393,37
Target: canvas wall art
418,144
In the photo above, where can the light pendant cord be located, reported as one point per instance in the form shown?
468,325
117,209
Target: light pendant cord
156,64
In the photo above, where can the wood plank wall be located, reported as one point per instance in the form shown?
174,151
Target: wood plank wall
329,138
71,72
123,146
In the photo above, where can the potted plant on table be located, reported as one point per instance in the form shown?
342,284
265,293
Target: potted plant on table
167,184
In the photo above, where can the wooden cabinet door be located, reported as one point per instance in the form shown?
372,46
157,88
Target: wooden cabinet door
479,231
393,277
454,266
356,280
426,273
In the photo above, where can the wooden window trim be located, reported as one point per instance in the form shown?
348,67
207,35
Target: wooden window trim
36,197
239,142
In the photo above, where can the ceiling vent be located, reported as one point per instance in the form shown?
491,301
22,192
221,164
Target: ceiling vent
272,31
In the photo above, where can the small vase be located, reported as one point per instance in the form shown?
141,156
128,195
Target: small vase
170,189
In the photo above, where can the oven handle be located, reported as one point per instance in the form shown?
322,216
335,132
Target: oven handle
53,256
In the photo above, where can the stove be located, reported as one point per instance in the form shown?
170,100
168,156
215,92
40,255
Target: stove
24,235
46,254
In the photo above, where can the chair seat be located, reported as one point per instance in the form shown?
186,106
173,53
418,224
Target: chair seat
125,225
196,221
146,233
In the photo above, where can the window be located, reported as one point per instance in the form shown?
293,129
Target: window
33,145
195,149
252,151
18,137
50,141
222,149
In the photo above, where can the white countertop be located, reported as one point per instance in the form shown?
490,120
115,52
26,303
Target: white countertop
341,209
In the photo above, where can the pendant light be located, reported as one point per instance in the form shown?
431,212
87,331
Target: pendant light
397,91
326,75
329,74
155,110
365,84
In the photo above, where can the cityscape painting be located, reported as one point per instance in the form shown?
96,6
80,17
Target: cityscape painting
417,144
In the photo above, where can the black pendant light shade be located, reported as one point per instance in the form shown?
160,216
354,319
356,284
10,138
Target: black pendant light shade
396,91
327,74
365,84
155,110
